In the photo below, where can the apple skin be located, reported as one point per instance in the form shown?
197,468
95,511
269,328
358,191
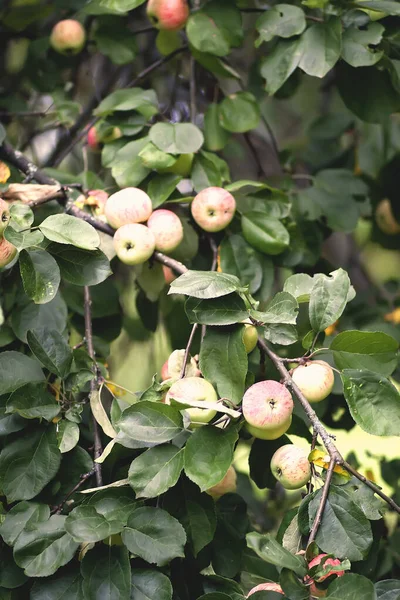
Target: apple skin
130,205
213,209
315,379
168,14
97,200
194,389
68,37
183,166
385,218
291,467
4,216
169,275
250,337
172,367
227,485
93,140
7,252
314,590
267,408
167,229
267,587
134,243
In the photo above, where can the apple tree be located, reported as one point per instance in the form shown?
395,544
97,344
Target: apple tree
218,178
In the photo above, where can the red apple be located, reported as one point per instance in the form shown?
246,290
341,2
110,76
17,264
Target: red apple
314,590
167,229
169,275
225,486
213,209
267,409
291,467
130,205
68,37
134,243
7,252
315,379
168,14
267,587
4,215
93,140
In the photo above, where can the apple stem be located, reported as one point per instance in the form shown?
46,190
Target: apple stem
187,351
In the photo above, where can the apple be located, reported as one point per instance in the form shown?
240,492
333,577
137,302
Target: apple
168,14
172,367
213,209
362,232
291,467
68,37
183,166
7,252
266,587
250,337
315,379
385,218
267,408
130,205
167,229
93,139
314,590
225,486
194,389
134,243
4,216
169,275
167,42
381,264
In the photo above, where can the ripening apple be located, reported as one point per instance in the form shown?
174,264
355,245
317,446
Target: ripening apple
250,337
172,367
7,252
97,200
194,389
93,139
167,229
227,485
68,37
134,243
213,209
130,205
267,408
315,379
266,587
381,264
291,467
385,218
168,14
169,275
314,590
4,216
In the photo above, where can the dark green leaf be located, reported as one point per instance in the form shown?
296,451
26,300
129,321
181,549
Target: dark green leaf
240,259
66,229
52,350
61,587
226,310
24,239
143,101
283,20
328,299
283,308
265,233
385,6
81,267
150,584
205,284
260,458
216,137
197,516
176,138
23,514
280,63
359,45
351,587
292,587
67,435
285,335
155,471
209,454
239,112
388,589
85,524
33,401
365,498
40,275
267,548
161,187
52,315
125,162
372,350
150,423
106,572
321,45
17,370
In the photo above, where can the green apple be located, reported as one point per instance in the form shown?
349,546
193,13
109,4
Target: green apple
315,379
381,264
267,408
130,205
291,467
167,229
213,209
194,389
134,243
250,337
183,166
68,37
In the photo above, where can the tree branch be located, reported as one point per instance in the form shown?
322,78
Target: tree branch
58,509
20,161
322,504
371,486
187,351
93,383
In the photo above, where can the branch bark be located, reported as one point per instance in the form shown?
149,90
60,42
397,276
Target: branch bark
322,504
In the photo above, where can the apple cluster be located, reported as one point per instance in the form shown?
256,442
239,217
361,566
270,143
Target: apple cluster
7,250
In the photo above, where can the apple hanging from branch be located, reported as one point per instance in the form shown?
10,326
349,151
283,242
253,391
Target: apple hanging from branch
267,408
134,243
291,467
167,229
68,37
168,14
130,205
194,389
213,209
315,379
225,486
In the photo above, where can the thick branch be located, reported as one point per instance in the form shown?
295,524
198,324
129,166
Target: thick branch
322,504
93,384
20,161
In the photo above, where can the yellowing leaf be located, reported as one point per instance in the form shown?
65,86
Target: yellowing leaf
322,459
394,316
332,328
100,414
4,172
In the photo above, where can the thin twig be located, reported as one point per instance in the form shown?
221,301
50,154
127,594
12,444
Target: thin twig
371,486
322,504
58,509
93,384
187,351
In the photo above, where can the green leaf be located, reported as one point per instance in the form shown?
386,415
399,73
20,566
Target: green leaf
365,498
148,584
371,350
81,267
284,335
205,35
344,532
17,370
33,401
209,454
154,158
114,504
40,275
238,258
154,535
292,587
161,187
67,435
23,514
205,284
215,136
44,547
388,589
106,572
114,41
176,138
299,286
125,163
351,587
150,423
260,457
265,233
386,6
267,548
23,239
22,216
52,315
239,112
321,45
223,361
226,310
28,464
85,524
61,587
373,401
283,308
283,20
66,229
328,299
155,471
280,63
52,350
143,101
358,45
